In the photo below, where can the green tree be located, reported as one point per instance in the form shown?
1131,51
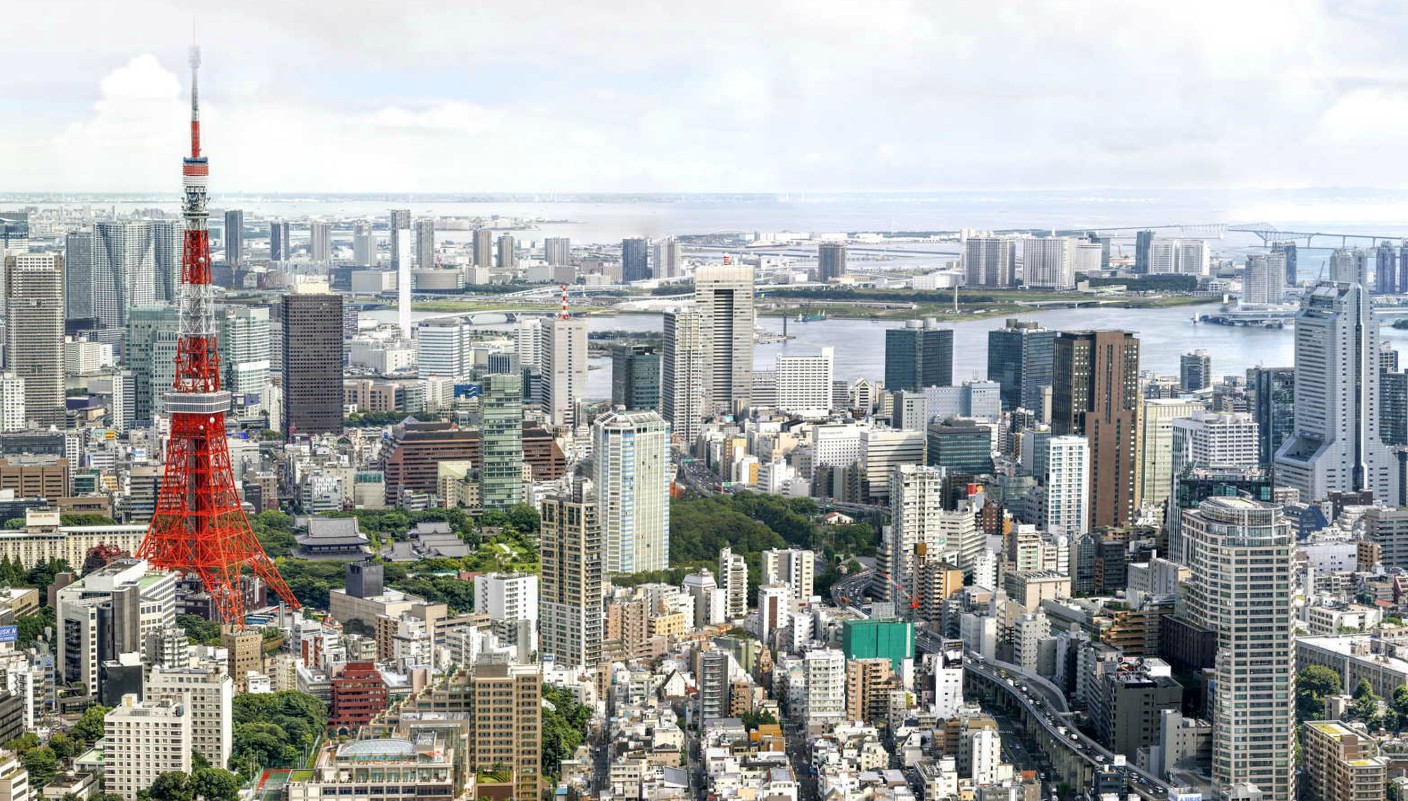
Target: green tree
1313,683
43,766
214,784
64,746
564,727
89,728
30,628
23,744
199,630
170,786
1363,690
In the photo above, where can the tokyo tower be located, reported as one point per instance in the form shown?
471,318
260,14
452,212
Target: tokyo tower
199,526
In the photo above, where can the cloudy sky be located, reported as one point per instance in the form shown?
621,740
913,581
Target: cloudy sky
753,95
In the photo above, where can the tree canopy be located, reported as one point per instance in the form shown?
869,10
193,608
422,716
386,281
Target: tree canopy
564,727
1313,683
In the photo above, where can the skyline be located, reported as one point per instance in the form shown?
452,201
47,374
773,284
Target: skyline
553,98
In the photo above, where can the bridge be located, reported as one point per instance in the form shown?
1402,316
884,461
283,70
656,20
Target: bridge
1270,233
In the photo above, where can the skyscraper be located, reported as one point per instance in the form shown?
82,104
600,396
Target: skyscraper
1019,360
570,586
830,261
1336,445
125,272
312,377
921,529
918,355
34,325
280,241
501,442
1066,485
1156,441
234,237
1264,281
508,252
1095,394
244,355
1273,393
78,276
149,352
425,243
635,377
1049,263
506,723
723,294
1385,269
804,385
667,258
1286,253
1240,588
631,451
1195,371
484,248
1143,240
399,221
364,245
1343,267
989,261
320,241
562,355
634,260
682,399
557,250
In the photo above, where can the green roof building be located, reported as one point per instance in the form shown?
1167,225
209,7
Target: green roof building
868,639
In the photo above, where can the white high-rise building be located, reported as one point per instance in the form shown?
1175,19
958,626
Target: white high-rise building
825,672
208,693
34,327
804,384
920,528
245,351
444,349
631,451
364,245
733,580
142,740
1215,439
948,679
710,601
12,417
511,602
1067,485
723,295
1240,586
1157,422
883,450
563,357
528,342
989,261
666,255
1049,263
836,445
1264,281
1336,444
1182,256
683,398
984,755
793,567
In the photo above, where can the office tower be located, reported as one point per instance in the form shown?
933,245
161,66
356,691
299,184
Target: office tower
1240,587
1095,394
1273,392
34,326
1019,360
149,352
634,260
142,740
989,261
425,243
557,251
208,693
570,591
312,362
723,295
505,723
244,354
1393,408
363,245
1220,441
319,241
682,399
1065,498
1285,254
107,613
444,348
1049,263
1195,371
1385,269
1194,257
234,237
399,221
562,354
631,451
508,252
483,248
918,355
78,276
667,258
1143,240
527,341
1156,441
1343,267
280,241
830,261
804,384
1403,267
960,446
635,377
14,230
501,442
1264,281
793,567
124,271
1335,446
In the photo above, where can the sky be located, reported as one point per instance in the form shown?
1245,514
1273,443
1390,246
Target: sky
724,96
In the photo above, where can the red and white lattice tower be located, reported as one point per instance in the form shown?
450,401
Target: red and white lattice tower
199,526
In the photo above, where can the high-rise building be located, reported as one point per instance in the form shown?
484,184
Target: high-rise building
508,252
1143,240
34,326
149,352
989,261
511,602
484,248
1156,440
131,268
1195,371
723,295
1218,441
804,385
682,399
1393,408
635,377
363,245
562,355
1273,402
733,580
12,413
1019,360
501,442
244,355
918,355
713,685
1340,763
1264,280
557,251
921,529
142,740
1285,254
830,261
635,256
506,722
1336,445
425,243
1344,267
320,241
794,567
1240,587
78,276
666,258
280,241
1049,263
312,371
1066,486
1385,269
631,451
234,237
399,221
208,693
570,592
825,698
1095,394
444,348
